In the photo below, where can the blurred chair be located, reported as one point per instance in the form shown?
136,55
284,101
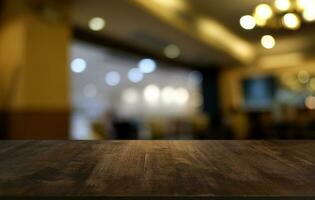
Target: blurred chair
125,130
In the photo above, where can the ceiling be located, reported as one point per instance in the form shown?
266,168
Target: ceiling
130,23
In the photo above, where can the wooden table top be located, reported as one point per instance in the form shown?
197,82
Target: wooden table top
157,168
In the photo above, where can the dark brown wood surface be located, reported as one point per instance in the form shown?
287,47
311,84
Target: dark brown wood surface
157,168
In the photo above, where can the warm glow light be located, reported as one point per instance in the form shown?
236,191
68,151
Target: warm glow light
168,95
303,77
310,102
302,4
172,4
263,11
130,96
151,94
178,96
147,65
97,24
182,96
305,4
78,65
268,41
112,78
309,15
282,5
291,21
135,75
259,21
172,51
247,22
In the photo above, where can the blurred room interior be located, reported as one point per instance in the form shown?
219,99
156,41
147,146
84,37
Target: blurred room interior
157,69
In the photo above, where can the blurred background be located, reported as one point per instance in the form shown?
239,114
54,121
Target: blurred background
157,69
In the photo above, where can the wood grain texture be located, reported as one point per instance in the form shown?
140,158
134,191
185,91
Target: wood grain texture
157,168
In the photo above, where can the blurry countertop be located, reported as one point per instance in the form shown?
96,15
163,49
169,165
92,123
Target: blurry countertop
159,169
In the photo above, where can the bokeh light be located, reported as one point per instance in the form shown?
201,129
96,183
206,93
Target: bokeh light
151,94
182,96
247,22
310,102
112,78
291,21
97,24
268,42
309,15
263,11
282,5
78,65
135,75
147,65
168,95
172,51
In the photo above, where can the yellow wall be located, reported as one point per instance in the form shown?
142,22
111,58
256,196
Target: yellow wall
34,63
34,75
46,69
12,48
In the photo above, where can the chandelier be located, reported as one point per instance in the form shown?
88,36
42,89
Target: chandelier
282,14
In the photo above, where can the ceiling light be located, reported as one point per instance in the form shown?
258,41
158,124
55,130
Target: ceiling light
309,15
135,75
282,5
305,4
78,65
172,51
97,24
259,21
291,21
263,11
147,65
112,78
247,22
302,4
268,41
